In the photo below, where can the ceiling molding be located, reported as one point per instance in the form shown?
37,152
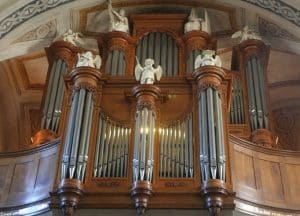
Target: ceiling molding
27,12
279,8
46,30
269,29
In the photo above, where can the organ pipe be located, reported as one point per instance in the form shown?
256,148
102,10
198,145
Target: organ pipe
212,155
237,115
176,150
115,63
111,149
162,48
256,93
54,96
144,145
77,138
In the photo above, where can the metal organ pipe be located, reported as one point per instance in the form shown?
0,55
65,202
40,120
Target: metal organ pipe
54,96
176,150
162,48
256,94
115,63
212,155
237,115
111,149
78,135
144,145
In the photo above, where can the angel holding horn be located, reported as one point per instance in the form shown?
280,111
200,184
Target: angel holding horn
118,21
146,74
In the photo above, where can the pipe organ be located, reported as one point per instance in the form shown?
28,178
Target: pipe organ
122,141
250,58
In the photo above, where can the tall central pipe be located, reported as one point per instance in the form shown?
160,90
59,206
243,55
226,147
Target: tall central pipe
211,135
143,159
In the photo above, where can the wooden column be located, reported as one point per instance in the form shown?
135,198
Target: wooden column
143,159
213,86
76,140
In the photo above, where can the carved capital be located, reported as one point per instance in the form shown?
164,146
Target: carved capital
253,47
199,40
209,76
63,50
146,95
85,77
69,194
263,137
214,193
141,192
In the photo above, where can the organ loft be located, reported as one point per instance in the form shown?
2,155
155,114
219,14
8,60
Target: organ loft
148,118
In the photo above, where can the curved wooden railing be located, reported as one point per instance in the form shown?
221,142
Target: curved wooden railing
268,178
262,178
26,177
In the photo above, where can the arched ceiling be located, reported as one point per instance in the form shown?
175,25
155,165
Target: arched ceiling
26,27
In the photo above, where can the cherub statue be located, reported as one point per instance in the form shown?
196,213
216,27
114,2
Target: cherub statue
208,57
118,21
71,37
146,74
246,34
194,23
87,59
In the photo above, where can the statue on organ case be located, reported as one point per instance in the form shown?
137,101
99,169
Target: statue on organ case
71,37
246,34
118,21
87,59
146,74
194,23
208,57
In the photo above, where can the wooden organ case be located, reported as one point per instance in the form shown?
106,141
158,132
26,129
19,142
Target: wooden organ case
102,164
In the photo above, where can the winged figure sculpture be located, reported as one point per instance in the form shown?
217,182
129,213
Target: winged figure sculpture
147,74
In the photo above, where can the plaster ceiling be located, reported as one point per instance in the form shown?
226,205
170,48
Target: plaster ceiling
23,64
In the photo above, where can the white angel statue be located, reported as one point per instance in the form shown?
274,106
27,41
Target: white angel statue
87,59
118,21
208,57
146,74
194,23
71,37
246,34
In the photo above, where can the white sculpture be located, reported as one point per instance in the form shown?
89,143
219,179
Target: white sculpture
205,25
146,74
194,23
208,57
71,37
246,34
87,59
118,21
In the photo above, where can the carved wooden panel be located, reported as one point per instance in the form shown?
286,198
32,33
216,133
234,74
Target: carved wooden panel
27,176
23,171
3,173
44,171
293,176
264,176
244,162
271,181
